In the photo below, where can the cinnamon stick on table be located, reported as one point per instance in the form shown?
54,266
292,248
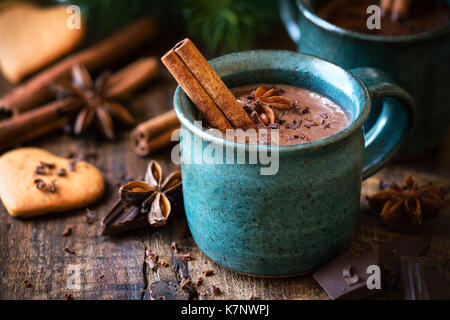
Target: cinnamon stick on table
55,115
155,133
36,90
205,88
37,122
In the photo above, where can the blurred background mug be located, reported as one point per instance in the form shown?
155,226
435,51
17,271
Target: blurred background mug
420,63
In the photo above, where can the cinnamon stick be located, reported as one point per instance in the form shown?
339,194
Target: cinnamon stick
36,90
195,91
385,6
55,115
213,85
154,134
397,8
130,78
400,9
37,122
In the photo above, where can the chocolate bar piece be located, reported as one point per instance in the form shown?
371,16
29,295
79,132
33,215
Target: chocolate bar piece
121,219
389,254
422,279
345,277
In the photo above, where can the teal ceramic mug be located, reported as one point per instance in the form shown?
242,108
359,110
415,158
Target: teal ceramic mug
419,63
294,221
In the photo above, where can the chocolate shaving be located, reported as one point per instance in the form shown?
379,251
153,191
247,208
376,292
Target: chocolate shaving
188,256
215,291
199,281
69,250
68,296
188,285
163,263
27,284
152,260
208,273
67,232
348,277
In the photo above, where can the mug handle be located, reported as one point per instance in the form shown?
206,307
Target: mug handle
395,122
288,13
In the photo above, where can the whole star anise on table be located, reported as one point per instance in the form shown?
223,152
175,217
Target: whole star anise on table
97,105
152,195
407,204
262,102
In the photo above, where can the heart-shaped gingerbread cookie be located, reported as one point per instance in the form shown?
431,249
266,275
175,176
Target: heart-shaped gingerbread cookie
35,182
32,37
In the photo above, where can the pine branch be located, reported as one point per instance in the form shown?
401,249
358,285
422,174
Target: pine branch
222,25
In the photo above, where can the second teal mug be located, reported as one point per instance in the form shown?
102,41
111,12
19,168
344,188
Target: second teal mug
294,221
419,63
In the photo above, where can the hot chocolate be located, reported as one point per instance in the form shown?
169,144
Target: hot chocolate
424,16
300,115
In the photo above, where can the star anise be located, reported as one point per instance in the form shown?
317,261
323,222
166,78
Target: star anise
262,102
409,203
97,105
152,195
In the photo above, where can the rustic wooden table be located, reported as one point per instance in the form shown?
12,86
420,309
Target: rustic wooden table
107,267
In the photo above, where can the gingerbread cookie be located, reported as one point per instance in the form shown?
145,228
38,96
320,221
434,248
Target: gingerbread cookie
32,37
35,182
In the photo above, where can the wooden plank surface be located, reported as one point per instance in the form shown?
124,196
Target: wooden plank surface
114,267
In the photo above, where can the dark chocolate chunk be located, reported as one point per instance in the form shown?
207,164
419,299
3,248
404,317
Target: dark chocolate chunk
180,267
422,279
40,170
40,184
331,279
52,187
389,254
48,165
166,290
122,219
61,172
